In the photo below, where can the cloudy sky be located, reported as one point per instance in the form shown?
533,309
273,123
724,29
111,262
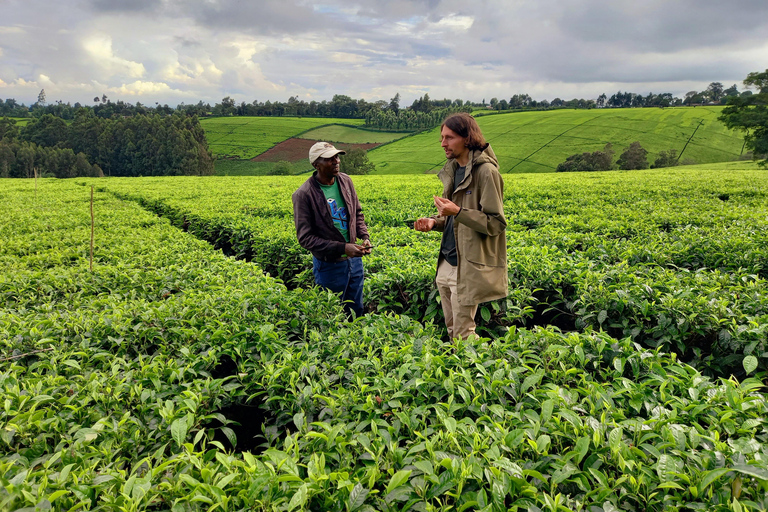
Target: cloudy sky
173,51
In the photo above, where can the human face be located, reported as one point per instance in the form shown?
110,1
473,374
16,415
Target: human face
327,169
454,145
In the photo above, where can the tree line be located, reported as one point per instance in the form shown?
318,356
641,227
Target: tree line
634,157
141,145
342,106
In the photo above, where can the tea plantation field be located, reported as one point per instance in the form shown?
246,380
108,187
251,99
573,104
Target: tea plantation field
539,141
625,371
524,141
247,137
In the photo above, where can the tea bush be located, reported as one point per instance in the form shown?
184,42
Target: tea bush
172,377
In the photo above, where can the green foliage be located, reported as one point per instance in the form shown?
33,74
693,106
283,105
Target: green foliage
117,383
281,168
134,146
419,117
47,131
356,162
665,159
581,248
633,158
22,159
9,129
597,161
750,114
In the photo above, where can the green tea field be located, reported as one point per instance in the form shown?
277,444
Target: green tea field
539,141
196,367
349,135
247,137
524,141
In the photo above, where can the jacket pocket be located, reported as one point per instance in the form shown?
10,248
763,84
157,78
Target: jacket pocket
482,249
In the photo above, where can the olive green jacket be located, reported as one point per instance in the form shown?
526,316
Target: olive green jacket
480,227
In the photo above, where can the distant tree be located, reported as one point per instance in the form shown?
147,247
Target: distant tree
356,162
41,98
423,104
520,101
96,99
601,100
227,106
694,98
634,157
750,114
281,168
596,161
731,91
394,103
49,130
8,129
715,91
7,158
665,159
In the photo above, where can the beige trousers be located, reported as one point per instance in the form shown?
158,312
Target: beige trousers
459,318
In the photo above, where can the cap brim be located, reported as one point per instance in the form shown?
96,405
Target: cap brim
331,153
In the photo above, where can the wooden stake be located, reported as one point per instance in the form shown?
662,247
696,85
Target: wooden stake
91,228
35,169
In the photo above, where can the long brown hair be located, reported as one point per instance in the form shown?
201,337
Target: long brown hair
464,125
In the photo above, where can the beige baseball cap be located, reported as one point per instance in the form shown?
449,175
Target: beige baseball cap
323,150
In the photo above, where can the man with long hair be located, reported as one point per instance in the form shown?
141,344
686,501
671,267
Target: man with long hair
472,264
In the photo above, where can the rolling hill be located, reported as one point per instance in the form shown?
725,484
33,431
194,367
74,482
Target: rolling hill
539,141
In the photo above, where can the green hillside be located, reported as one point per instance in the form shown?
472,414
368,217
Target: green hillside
350,135
247,137
21,121
539,141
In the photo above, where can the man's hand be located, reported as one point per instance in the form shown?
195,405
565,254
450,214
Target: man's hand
357,250
424,224
446,207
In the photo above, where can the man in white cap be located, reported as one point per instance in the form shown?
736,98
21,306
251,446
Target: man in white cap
329,221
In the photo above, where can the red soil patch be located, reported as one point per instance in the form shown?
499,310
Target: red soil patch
293,150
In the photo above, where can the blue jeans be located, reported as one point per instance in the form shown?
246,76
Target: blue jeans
343,277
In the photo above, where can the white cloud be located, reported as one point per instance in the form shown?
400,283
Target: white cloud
99,48
139,88
192,70
347,58
16,30
173,50
455,22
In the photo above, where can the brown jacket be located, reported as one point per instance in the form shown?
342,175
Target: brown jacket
480,227
314,225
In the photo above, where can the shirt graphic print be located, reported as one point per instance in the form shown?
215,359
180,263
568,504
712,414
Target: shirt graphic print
339,215
337,207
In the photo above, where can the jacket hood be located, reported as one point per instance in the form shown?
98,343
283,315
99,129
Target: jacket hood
484,156
477,157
